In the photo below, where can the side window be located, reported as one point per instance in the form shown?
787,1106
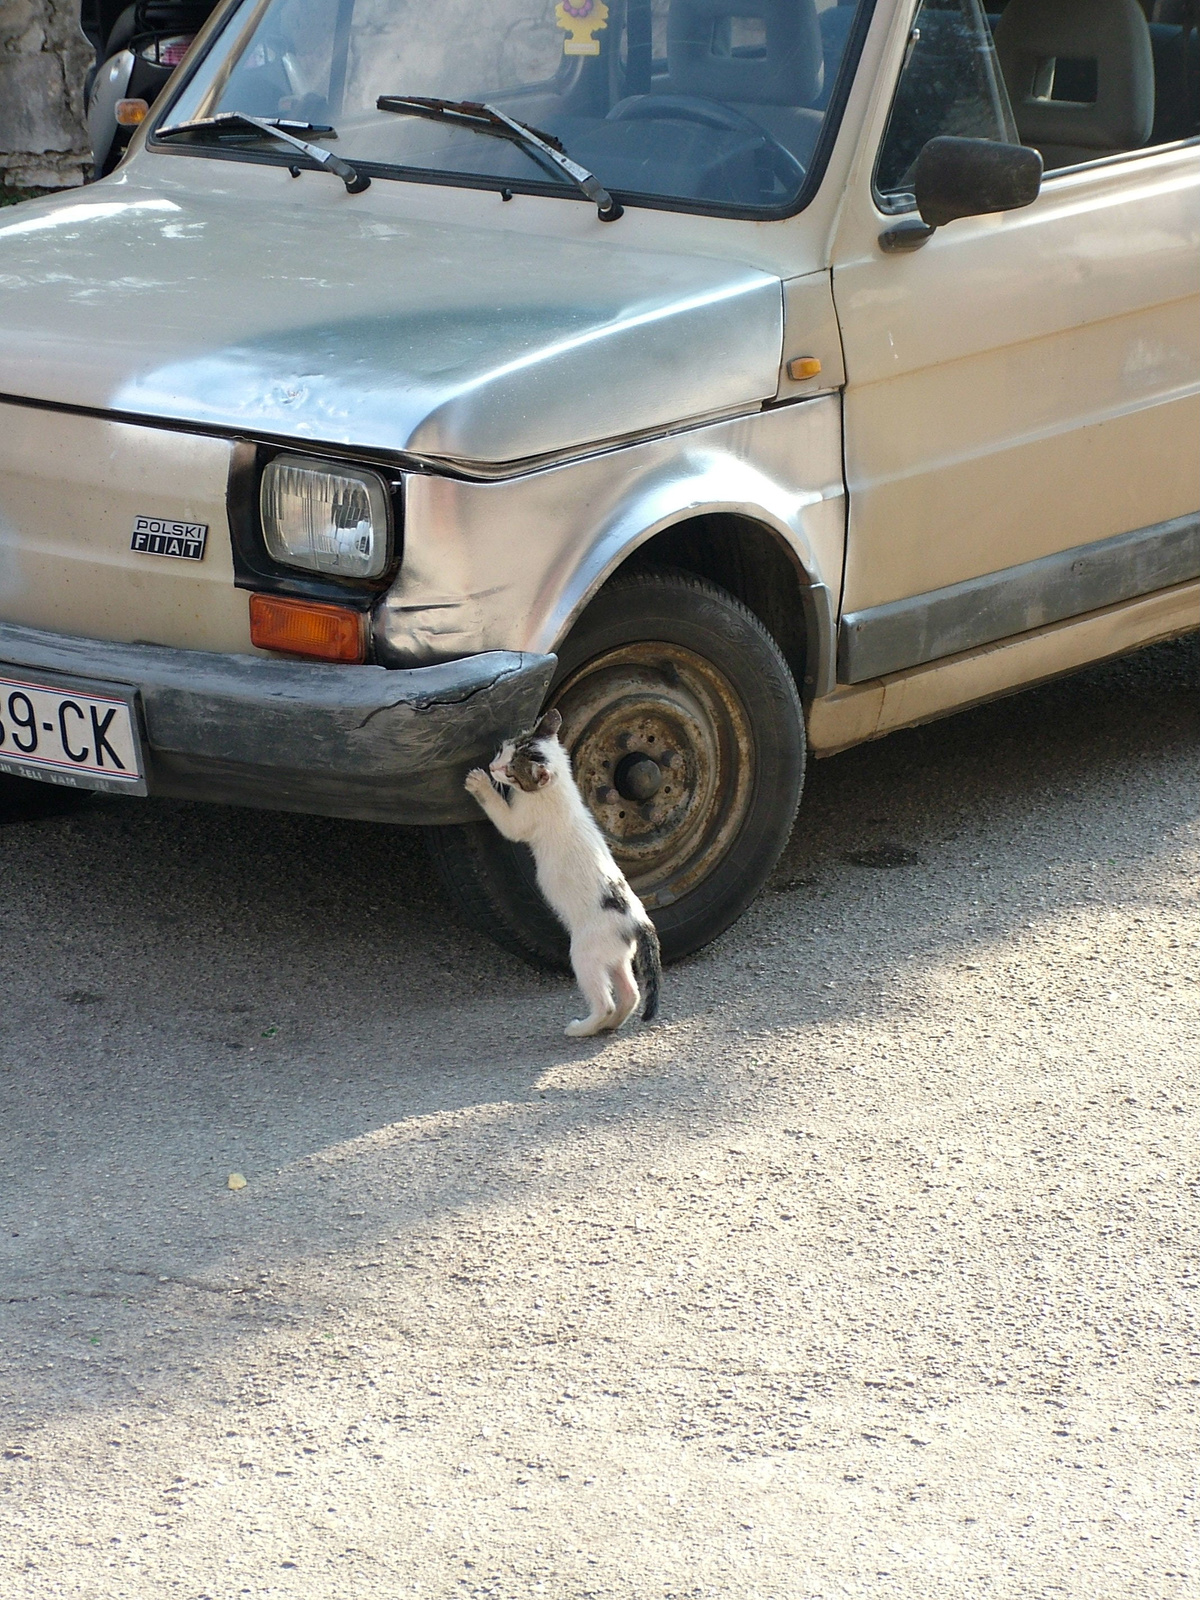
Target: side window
1076,82
950,84
1101,79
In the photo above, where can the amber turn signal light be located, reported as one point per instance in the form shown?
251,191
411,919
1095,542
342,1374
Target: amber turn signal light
307,628
130,112
802,367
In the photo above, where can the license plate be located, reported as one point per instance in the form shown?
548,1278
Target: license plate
73,733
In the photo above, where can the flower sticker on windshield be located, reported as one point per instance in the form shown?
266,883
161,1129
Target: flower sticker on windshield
579,23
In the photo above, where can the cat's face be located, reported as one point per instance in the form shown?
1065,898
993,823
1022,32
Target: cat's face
530,761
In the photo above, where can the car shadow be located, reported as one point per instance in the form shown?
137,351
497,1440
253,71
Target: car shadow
195,992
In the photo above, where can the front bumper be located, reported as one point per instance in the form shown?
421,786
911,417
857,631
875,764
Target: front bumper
365,742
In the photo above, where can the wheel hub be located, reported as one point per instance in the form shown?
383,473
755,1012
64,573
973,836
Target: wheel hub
637,777
663,756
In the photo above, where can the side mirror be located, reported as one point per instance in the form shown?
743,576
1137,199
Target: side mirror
970,177
966,178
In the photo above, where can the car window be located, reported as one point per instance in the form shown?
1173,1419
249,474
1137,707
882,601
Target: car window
711,104
1102,79
950,84
1075,82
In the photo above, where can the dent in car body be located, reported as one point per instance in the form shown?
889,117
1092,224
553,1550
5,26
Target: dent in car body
518,559
385,333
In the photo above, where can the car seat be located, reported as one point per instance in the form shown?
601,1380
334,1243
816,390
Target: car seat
775,83
1080,76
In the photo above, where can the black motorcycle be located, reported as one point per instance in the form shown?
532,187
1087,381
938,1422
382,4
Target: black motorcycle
137,49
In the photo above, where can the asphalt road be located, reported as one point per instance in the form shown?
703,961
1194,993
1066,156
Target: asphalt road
872,1270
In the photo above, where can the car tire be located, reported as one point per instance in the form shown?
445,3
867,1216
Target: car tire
687,740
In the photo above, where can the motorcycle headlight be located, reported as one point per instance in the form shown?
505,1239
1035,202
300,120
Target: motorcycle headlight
326,518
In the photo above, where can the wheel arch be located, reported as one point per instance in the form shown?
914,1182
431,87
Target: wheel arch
761,569
753,558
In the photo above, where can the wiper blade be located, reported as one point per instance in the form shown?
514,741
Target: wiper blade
484,118
354,180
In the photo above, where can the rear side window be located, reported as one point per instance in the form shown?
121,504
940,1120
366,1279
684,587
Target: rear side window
950,84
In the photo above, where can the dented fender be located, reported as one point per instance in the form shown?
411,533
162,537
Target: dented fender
512,562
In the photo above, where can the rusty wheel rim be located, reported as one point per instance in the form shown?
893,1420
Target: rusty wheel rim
663,755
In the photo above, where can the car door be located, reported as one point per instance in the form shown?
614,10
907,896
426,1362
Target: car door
1022,405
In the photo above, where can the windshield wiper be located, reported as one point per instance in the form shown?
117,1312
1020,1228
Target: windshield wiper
354,180
543,147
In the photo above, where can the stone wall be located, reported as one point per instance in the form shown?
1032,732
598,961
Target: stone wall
43,61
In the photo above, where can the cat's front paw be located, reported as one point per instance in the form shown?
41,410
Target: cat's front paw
478,783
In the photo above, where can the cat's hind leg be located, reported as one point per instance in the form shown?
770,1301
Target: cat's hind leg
625,991
591,974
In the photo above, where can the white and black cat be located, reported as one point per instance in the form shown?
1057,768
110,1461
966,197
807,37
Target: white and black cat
614,947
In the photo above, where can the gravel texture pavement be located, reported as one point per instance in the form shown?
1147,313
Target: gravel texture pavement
872,1270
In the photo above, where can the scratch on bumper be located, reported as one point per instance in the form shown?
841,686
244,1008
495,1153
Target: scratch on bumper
419,703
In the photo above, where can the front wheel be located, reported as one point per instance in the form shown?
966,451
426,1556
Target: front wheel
687,742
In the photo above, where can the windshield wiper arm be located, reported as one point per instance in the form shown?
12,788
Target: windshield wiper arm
290,125
354,180
484,118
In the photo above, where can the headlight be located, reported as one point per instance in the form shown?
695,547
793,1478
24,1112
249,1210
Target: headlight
325,518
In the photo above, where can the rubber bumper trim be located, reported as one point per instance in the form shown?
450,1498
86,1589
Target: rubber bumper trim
373,743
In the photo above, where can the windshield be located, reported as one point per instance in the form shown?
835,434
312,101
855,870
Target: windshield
709,104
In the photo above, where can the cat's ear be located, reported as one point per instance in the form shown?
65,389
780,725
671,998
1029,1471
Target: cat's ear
548,727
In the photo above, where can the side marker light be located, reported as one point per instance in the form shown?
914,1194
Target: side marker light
130,112
308,628
801,367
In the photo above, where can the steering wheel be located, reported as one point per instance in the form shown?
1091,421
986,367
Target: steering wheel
782,164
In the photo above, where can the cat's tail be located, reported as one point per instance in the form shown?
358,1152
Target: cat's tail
647,967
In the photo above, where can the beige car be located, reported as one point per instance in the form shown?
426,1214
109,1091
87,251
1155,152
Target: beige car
747,378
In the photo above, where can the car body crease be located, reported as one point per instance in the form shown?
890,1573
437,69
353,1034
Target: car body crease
433,702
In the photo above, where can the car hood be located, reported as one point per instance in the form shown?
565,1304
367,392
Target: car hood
354,328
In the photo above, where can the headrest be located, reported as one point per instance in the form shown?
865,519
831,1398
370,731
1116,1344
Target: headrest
1114,35
781,66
